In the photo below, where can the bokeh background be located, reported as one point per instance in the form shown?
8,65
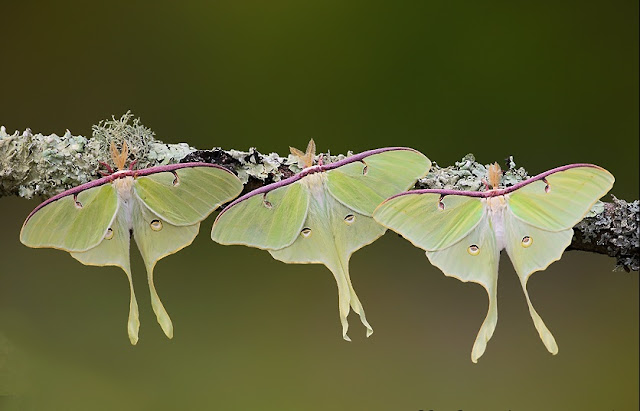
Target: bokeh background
548,82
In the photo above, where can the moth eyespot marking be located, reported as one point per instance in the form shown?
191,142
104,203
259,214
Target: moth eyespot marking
527,241
176,181
441,204
306,232
349,219
473,249
109,234
156,225
78,204
547,188
365,169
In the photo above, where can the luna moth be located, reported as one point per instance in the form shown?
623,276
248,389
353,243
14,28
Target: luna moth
322,214
160,206
463,232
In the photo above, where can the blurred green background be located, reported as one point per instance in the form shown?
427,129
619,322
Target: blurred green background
548,82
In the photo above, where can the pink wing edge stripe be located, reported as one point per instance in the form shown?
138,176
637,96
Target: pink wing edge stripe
121,174
494,193
312,170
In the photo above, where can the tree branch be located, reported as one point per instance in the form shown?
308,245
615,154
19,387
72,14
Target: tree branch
45,165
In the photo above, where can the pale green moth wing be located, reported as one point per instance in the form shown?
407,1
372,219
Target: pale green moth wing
363,185
531,219
168,212
157,238
114,250
430,220
94,221
532,249
330,234
456,233
270,220
71,221
303,220
559,198
475,258
188,195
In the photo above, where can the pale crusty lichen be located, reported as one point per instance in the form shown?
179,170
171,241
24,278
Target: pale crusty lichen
613,232
469,175
44,165
143,147
253,164
39,165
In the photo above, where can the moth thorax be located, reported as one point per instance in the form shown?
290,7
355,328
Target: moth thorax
315,183
496,204
123,187
496,207
494,175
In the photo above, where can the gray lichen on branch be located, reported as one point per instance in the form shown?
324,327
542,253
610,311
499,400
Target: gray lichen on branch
37,165
613,232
